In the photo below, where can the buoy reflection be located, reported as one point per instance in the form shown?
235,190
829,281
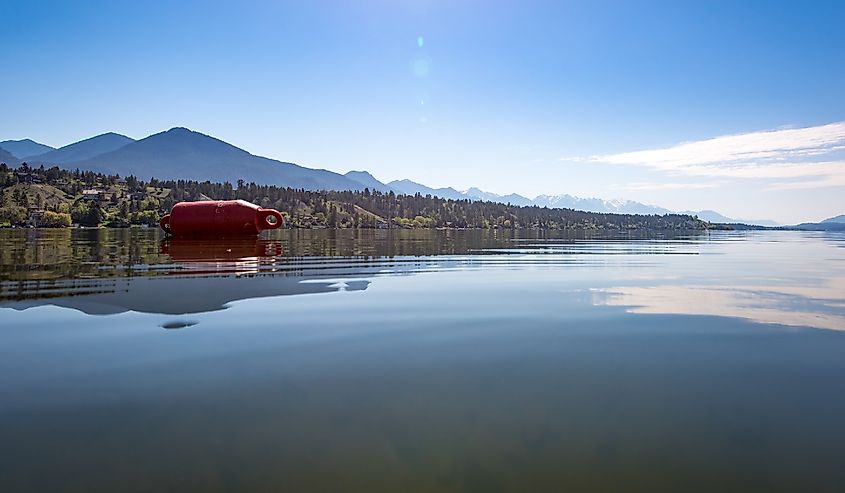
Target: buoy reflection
230,255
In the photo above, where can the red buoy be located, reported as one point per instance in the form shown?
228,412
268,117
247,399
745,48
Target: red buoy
219,218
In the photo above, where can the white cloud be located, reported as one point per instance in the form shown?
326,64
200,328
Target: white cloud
833,180
812,154
772,170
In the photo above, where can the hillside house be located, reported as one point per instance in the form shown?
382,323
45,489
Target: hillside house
159,193
92,195
25,177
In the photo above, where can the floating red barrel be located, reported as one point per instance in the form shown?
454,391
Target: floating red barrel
219,218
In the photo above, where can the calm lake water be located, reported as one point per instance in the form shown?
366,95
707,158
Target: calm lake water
422,361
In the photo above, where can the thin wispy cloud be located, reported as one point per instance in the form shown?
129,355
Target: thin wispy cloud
661,186
833,180
807,157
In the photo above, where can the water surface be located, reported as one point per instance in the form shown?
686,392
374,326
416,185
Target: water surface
422,361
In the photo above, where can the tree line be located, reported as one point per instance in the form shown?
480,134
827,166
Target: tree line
132,202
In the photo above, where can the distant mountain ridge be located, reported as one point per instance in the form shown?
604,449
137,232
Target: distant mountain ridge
617,206
564,201
515,199
180,153
24,148
715,217
832,224
409,187
368,181
84,149
8,158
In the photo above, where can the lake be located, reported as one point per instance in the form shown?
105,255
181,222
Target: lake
431,361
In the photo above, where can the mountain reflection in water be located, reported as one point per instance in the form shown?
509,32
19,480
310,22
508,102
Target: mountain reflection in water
112,271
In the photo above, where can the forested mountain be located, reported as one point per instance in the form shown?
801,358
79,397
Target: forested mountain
822,226
84,149
180,153
130,200
836,223
24,148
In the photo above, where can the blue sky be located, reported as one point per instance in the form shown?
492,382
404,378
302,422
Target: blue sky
526,97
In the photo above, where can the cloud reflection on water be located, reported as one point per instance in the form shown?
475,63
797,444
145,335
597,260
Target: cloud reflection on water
799,306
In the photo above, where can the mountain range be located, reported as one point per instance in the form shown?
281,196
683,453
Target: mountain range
558,201
830,224
8,158
25,148
565,201
180,153
82,150
715,217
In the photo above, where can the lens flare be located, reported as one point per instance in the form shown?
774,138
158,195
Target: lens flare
421,67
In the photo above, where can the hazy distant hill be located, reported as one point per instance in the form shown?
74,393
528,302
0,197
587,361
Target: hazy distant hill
368,181
180,153
24,148
553,201
409,187
514,199
564,201
822,226
557,201
715,217
8,158
84,149
837,219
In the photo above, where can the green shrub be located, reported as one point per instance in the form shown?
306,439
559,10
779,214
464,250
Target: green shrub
55,219
13,215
